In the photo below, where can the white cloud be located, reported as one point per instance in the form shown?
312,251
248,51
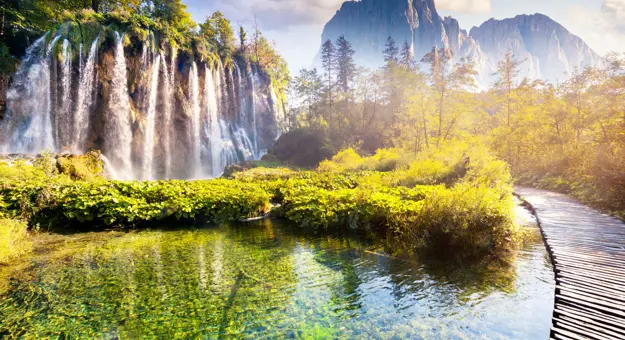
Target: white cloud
603,29
613,13
273,14
466,6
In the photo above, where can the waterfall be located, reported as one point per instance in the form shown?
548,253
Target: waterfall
166,126
276,110
212,126
29,99
84,101
168,136
252,77
71,97
194,98
108,167
239,89
150,135
118,125
63,121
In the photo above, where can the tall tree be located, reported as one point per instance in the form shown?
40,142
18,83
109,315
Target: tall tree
346,67
446,82
173,13
346,70
390,51
218,31
328,60
406,58
507,71
242,39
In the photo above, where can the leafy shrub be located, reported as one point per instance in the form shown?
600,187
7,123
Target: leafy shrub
14,239
350,160
465,202
82,167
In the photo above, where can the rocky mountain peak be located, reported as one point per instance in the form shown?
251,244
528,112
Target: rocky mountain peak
547,48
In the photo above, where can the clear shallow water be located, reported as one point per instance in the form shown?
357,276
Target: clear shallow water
265,280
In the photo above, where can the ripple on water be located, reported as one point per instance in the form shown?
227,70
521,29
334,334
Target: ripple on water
265,280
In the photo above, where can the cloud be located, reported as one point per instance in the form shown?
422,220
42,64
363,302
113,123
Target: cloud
466,6
613,13
274,14
604,28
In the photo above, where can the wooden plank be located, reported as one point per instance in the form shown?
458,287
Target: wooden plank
592,312
587,249
588,282
581,328
616,332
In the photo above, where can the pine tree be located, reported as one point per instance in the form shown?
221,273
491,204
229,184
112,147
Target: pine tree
328,60
242,39
407,57
345,65
390,51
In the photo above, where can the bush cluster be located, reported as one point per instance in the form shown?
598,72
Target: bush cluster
462,201
57,200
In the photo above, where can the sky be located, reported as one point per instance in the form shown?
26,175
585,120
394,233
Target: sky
296,25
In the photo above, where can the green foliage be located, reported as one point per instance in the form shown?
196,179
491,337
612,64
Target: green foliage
83,167
459,197
14,239
471,211
383,160
7,62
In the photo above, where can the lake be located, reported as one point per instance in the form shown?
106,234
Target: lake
266,279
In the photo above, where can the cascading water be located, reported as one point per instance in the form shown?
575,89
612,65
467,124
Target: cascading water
212,123
252,76
151,118
170,133
194,101
27,128
150,133
84,101
118,141
63,121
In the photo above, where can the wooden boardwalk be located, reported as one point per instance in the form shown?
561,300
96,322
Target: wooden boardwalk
587,249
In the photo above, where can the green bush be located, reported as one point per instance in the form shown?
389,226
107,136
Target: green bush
14,239
465,201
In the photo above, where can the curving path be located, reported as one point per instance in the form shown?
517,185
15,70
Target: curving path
587,249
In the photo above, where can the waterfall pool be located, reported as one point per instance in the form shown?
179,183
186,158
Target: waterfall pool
266,280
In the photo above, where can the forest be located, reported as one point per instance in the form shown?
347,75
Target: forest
567,137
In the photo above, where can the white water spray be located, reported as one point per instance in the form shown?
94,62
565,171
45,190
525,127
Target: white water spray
150,135
84,102
118,125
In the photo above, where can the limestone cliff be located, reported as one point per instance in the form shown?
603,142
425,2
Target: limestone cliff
546,47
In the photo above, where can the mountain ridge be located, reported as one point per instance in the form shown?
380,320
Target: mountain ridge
548,50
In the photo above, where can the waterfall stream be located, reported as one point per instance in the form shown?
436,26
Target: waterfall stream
154,114
194,101
63,121
150,125
118,125
84,101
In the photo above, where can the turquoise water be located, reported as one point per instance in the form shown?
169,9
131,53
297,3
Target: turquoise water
266,280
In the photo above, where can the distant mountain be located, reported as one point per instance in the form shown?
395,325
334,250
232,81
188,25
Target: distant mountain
546,47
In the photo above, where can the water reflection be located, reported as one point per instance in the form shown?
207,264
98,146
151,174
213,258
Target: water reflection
266,280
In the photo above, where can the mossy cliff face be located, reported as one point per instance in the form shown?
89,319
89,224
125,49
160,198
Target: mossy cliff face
154,109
